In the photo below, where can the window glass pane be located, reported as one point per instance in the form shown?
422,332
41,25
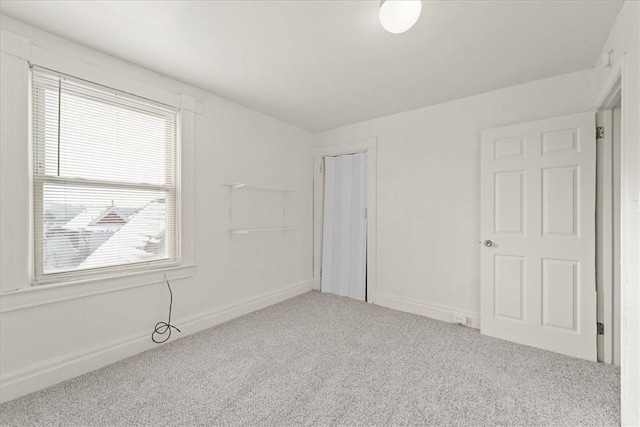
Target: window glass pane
91,227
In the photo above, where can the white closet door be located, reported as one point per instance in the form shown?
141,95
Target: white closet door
344,240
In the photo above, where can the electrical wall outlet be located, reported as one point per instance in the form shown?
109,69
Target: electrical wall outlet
460,319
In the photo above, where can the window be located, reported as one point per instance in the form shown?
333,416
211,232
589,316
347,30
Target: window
104,179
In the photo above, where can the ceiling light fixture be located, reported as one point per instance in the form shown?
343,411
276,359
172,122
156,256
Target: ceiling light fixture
397,16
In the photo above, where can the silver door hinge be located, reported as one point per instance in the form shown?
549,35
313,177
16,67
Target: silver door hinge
600,132
600,328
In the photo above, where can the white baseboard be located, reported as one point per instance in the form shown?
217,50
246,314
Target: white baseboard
45,374
438,312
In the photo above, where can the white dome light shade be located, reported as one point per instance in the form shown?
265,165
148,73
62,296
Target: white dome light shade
397,16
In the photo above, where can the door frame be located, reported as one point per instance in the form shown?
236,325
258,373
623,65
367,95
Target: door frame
608,205
368,146
629,236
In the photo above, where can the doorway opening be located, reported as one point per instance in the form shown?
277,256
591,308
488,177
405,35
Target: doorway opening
344,236
345,219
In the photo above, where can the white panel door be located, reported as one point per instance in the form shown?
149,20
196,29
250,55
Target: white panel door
344,240
538,234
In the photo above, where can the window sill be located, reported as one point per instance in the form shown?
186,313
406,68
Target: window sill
48,294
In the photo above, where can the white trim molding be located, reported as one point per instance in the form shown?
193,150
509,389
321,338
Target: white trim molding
620,82
433,311
45,374
348,148
15,45
630,246
47,294
612,88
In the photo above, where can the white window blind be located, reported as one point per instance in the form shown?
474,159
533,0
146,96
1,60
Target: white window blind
104,177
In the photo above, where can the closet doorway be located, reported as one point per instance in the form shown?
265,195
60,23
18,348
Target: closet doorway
344,231
344,220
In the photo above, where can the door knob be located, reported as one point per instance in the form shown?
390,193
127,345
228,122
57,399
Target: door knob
488,243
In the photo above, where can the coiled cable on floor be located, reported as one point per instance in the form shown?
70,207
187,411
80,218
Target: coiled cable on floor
163,328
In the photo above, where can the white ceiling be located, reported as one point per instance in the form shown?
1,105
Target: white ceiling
323,64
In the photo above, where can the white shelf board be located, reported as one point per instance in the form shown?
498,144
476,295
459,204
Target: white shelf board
242,185
258,230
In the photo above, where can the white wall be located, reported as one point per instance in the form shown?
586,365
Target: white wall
624,44
52,334
429,189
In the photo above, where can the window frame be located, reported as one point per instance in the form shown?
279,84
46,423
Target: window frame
38,277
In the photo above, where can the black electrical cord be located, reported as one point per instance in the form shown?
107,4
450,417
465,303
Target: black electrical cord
164,327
